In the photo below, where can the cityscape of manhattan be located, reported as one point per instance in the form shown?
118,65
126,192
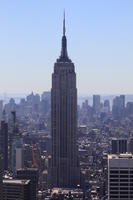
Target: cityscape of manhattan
66,100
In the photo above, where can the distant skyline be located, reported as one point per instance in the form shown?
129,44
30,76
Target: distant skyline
100,43
81,98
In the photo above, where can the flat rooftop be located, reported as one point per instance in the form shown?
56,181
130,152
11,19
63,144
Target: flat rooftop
120,156
27,169
66,190
16,181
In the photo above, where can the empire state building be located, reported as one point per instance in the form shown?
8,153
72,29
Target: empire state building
65,171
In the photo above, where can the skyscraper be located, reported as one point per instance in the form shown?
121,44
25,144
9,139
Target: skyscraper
4,140
32,175
1,178
65,168
1,108
119,145
96,104
130,145
17,160
118,109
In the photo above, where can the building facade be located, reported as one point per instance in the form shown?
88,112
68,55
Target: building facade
96,104
4,141
16,189
65,169
120,176
118,108
17,160
130,145
1,178
119,146
32,175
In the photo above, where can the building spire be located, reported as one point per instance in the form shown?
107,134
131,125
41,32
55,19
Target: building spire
64,56
64,25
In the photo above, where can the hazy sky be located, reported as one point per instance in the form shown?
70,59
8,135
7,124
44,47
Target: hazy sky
100,43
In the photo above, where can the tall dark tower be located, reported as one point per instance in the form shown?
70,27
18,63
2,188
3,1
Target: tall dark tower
65,168
4,140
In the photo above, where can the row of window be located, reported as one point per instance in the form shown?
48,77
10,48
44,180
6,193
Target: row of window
121,197
121,192
121,176
121,172
121,180
121,188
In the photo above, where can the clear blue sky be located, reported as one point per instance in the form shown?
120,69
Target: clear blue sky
100,43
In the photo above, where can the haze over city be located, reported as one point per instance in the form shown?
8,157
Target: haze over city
66,100
99,37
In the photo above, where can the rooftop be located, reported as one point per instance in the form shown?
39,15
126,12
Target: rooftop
27,169
66,190
121,156
16,181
